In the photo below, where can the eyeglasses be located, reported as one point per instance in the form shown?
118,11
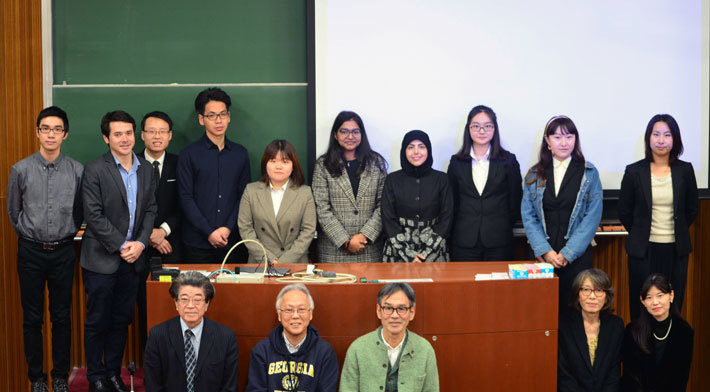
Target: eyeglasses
586,291
488,127
156,132
45,130
213,116
401,310
195,301
344,132
290,312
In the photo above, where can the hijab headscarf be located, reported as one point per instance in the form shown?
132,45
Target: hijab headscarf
408,168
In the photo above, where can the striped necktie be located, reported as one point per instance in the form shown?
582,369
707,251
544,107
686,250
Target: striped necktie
190,360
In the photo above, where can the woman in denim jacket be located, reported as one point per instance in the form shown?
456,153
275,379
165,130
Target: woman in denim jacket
562,204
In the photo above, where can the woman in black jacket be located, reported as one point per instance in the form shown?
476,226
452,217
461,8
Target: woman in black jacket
589,356
487,188
658,346
417,206
658,202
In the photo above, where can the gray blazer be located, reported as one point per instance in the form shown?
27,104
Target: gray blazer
286,236
341,215
106,214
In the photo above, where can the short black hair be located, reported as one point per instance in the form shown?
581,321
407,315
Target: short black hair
54,111
115,116
211,94
157,114
392,288
194,279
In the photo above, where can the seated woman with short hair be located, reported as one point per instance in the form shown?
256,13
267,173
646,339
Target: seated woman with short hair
278,210
589,357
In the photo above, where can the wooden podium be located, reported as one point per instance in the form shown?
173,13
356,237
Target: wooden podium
498,335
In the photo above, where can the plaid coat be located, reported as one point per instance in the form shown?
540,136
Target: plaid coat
341,215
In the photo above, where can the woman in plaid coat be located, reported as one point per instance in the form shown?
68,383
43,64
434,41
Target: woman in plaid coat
347,188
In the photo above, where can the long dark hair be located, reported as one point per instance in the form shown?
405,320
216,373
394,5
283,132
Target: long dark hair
497,151
333,157
641,329
566,125
677,148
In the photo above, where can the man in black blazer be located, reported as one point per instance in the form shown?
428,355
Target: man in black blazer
156,133
119,208
191,352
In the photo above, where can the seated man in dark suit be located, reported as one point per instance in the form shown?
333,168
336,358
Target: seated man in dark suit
157,131
190,352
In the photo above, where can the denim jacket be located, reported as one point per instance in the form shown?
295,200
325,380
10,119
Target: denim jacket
583,222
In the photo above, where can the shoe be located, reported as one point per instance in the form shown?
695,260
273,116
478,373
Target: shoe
117,384
39,386
60,385
100,386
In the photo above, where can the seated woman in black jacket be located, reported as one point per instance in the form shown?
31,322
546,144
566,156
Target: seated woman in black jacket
589,357
417,205
658,346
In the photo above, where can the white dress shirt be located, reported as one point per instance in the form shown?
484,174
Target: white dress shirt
292,348
479,170
197,331
560,168
277,195
160,161
392,352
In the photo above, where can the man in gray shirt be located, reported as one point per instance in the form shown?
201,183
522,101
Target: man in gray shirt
44,205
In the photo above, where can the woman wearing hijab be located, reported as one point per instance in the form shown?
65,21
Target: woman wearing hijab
417,205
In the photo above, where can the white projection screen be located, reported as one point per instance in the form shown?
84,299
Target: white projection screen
608,65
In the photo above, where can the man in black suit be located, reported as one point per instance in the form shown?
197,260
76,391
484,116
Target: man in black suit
156,133
190,352
118,193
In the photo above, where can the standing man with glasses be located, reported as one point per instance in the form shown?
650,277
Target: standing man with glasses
118,193
293,357
391,358
44,205
191,352
156,133
212,174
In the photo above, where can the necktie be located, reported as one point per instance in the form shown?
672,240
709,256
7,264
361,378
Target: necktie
190,361
156,176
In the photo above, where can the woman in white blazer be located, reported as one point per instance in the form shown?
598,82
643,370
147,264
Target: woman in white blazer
278,210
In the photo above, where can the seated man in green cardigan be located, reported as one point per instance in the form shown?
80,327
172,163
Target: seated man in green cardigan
391,358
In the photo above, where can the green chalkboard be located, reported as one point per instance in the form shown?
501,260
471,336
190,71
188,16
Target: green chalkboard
145,55
179,41
259,115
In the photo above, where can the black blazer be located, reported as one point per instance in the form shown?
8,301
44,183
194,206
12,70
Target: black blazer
642,373
107,217
575,371
492,211
168,202
216,368
635,205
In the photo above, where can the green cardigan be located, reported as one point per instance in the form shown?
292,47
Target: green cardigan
365,367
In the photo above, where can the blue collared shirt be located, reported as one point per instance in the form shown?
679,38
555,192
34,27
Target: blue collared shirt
211,183
130,182
197,331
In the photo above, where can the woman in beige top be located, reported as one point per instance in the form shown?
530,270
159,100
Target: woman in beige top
658,202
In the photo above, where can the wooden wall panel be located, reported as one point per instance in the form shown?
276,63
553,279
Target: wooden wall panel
20,100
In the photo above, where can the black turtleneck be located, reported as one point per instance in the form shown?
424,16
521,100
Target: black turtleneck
660,329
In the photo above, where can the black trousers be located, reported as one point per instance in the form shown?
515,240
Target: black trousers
55,268
194,255
567,274
109,309
660,258
480,252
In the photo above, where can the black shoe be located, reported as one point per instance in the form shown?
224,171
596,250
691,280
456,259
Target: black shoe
60,385
117,384
100,386
39,386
